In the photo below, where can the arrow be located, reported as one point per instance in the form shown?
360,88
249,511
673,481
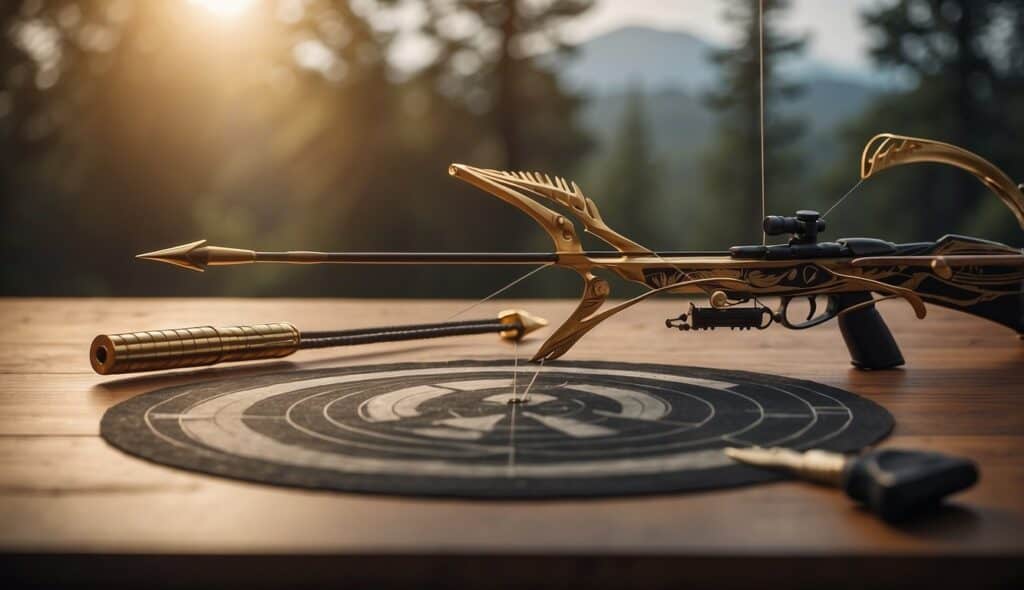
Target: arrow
153,350
197,256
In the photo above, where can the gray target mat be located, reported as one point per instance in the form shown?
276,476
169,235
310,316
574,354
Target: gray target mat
448,429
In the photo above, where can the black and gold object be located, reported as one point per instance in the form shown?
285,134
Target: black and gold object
895,484
967,274
157,350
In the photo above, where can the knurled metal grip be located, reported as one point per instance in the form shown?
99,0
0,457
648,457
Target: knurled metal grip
190,347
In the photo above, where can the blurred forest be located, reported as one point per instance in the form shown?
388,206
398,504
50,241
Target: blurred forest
128,126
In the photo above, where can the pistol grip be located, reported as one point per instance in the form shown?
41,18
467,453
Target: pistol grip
868,339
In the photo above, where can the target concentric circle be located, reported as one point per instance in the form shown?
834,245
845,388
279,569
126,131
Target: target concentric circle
454,429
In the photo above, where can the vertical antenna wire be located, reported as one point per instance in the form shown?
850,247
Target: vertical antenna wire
511,469
761,97
760,61
515,368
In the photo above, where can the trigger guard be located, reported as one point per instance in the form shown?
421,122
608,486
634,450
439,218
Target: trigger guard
831,311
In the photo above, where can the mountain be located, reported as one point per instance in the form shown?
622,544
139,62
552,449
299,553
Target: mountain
658,59
672,72
672,69
643,56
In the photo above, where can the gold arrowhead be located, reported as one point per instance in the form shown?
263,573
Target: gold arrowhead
183,256
526,323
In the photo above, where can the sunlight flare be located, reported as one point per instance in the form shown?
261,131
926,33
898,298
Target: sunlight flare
224,8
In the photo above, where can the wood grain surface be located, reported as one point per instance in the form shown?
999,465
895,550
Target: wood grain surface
73,508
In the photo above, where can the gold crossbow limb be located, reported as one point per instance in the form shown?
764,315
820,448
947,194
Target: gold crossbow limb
887,150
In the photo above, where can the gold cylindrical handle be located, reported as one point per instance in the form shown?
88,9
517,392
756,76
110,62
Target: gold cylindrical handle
190,347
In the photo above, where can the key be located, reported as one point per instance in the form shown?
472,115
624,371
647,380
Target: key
893,483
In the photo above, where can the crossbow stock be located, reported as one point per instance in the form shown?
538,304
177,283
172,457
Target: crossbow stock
968,274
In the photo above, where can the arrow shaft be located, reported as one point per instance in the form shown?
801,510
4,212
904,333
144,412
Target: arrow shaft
398,258
399,333
525,258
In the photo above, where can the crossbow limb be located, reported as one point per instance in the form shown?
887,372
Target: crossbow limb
510,187
504,185
887,150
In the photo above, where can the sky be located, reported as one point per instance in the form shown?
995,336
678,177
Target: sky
834,25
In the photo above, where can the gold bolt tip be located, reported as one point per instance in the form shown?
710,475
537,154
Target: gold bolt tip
528,322
177,255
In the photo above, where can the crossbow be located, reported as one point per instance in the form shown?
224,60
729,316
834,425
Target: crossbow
972,275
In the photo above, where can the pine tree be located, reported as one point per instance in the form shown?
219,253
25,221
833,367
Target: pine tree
490,64
494,90
732,163
963,61
630,191
292,129
137,123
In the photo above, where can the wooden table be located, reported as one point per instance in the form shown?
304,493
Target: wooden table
74,509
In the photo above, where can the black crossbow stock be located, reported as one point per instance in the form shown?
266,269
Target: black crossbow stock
972,275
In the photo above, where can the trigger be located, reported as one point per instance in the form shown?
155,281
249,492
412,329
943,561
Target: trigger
813,302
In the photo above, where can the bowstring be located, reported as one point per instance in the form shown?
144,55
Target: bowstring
515,367
500,291
511,469
526,392
843,198
760,60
